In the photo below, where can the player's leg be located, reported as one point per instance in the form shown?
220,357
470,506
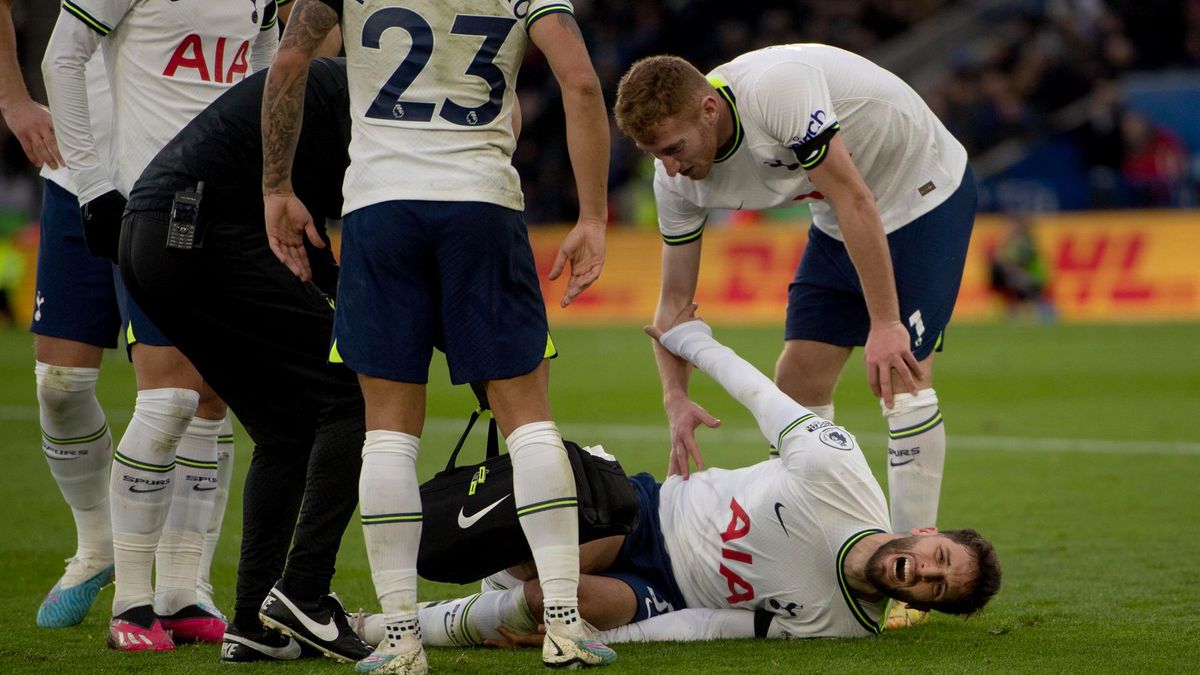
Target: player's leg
494,323
143,486
916,454
604,601
928,255
181,544
808,372
543,489
74,320
384,330
212,535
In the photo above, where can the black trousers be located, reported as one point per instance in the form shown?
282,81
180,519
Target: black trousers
261,339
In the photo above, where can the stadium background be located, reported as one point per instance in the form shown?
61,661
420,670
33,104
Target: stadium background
1072,418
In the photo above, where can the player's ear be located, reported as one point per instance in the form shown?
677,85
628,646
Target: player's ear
710,108
922,531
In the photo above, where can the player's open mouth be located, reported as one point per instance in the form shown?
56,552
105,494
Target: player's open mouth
900,568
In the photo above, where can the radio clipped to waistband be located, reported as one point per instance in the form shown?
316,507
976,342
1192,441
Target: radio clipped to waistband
185,219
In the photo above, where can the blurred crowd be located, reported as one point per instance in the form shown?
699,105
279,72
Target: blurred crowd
707,33
1037,58
1041,58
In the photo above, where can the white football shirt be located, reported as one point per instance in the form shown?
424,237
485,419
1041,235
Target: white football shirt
431,97
772,536
787,103
166,61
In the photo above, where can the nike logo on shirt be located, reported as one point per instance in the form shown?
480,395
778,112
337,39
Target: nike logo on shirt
465,521
779,505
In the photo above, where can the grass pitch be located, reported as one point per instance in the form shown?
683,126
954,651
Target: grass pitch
1076,449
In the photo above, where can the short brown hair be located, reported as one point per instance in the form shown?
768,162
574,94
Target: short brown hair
655,88
987,575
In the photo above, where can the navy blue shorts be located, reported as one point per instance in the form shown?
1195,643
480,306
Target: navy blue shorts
825,300
458,276
75,295
643,562
138,326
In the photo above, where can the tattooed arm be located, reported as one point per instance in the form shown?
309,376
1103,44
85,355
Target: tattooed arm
288,222
558,36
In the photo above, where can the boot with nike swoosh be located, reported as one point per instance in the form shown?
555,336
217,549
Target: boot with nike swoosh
244,647
322,624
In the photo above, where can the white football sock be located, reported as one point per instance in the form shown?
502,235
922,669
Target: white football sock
500,581
822,411
467,622
141,488
916,454
390,502
78,447
212,535
544,493
181,545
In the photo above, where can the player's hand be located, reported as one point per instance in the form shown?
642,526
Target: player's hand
102,224
688,313
30,122
683,416
584,248
887,349
288,223
514,640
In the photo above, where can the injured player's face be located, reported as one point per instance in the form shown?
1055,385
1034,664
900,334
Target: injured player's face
922,569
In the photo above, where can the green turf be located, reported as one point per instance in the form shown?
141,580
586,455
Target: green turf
1099,542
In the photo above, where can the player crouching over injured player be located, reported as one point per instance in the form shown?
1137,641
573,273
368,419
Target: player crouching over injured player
791,547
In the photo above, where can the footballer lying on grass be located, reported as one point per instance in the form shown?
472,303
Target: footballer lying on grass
791,547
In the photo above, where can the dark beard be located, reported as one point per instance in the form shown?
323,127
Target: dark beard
877,572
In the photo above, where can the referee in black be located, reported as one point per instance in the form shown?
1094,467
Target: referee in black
193,253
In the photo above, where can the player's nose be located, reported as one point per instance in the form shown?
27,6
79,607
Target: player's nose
671,165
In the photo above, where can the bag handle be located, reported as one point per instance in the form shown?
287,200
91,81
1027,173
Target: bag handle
493,440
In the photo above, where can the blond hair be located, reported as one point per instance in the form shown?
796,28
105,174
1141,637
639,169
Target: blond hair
655,88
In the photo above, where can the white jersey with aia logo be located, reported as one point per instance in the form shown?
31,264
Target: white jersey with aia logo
787,104
431,98
168,59
772,536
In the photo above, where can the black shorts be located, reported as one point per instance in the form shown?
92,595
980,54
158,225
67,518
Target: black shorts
257,334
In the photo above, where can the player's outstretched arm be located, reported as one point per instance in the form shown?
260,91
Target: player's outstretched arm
680,270
887,343
29,121
691,339
685,625
558,36
288,222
